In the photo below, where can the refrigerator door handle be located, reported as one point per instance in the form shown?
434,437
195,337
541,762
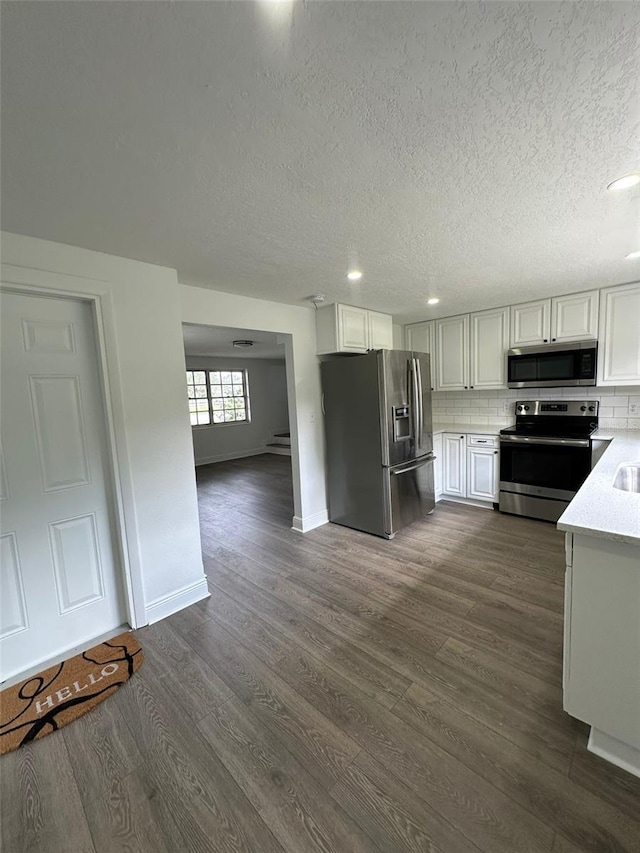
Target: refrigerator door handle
415,403
420,402
415,465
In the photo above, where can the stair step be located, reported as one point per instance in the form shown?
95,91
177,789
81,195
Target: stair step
283,440
281,449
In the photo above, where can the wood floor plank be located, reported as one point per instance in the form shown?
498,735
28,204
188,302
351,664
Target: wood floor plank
586,820
290,801
178,665
101,749
371,676
533,693
493,822
40,803
310,736
607,781
389,811
132,817
202,800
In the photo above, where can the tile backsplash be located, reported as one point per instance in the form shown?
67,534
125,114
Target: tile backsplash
619,406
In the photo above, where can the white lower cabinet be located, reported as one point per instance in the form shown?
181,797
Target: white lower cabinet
438,465
454,480
601,676
469,467
482,474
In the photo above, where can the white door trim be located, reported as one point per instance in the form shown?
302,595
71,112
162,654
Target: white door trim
45,283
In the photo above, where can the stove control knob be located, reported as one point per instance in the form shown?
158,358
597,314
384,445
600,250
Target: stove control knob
526,408
583,408
592,408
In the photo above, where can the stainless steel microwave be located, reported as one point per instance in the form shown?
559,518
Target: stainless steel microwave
553,365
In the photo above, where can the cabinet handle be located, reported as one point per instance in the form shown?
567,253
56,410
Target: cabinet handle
545,341
461,436
552,340
465,387
495,452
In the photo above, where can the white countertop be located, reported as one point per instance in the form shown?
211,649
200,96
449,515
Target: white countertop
467,429
599,509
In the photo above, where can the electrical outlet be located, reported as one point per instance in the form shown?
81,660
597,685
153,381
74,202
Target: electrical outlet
507,407
634,405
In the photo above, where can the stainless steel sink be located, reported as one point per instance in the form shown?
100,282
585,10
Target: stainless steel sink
628,478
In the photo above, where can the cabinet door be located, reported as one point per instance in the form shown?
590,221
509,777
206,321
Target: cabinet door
380,330
574,317
453,470
353,329
420,337
438,465
452,353
489,343
482,474
531,323
619,348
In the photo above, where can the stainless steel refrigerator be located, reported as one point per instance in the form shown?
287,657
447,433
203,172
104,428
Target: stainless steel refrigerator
377,414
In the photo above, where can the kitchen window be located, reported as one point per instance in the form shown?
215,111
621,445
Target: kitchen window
218,397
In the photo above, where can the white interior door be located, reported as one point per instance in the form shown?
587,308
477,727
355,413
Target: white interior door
61,586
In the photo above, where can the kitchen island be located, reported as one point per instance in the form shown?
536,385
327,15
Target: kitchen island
601,675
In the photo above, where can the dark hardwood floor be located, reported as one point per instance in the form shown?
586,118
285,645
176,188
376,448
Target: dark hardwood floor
336,693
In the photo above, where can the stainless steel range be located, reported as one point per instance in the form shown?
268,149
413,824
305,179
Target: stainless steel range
546,456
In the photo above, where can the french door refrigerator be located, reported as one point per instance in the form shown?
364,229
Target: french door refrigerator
379,441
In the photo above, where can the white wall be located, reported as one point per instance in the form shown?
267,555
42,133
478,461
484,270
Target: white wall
143,338
297,325
267,381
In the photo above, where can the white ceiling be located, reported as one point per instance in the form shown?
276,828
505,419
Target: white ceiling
218,341
456,149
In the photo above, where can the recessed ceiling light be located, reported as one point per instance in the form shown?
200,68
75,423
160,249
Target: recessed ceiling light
243,343
433,301
625,182
633,255
354,275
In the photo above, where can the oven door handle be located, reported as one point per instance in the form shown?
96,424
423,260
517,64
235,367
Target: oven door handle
558,442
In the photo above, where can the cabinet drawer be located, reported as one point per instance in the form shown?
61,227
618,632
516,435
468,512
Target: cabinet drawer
482,441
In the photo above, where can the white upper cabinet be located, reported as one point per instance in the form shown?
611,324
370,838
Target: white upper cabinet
353,328
619,350
561,319
380,330
345,328
452,353
531,323
489,342
574,317
420,337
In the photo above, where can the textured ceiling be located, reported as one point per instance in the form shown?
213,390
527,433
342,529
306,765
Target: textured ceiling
457,149
218,341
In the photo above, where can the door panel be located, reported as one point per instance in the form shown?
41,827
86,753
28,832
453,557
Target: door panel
396,392
59,568
412,494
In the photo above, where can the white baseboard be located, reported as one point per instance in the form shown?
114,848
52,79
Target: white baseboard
621,754
303,525
466,501
178,600
233,454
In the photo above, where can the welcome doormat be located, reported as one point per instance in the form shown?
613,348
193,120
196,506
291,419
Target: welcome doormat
59,695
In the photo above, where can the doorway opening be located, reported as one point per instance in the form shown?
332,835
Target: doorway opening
239,412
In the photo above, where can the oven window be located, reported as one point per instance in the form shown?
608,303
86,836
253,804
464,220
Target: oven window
545,466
